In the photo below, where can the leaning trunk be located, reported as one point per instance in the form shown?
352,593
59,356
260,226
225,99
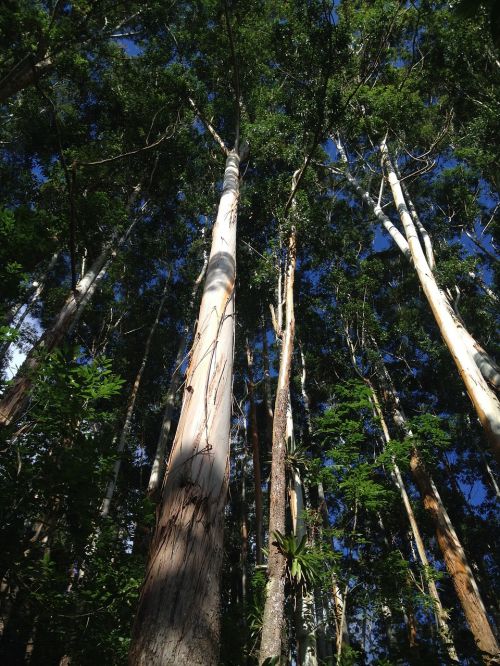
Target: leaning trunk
177,620
15,397
456,563
441,614
456,338
453,554
22,311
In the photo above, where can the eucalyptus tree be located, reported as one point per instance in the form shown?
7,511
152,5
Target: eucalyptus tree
194,491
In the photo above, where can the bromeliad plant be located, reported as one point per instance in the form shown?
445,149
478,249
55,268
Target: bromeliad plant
303,562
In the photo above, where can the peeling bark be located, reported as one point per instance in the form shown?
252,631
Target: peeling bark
485,402
177,621
453,553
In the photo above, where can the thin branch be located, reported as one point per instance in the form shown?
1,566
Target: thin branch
208,125
107,160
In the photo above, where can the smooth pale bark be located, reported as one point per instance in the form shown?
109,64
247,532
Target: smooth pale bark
14,399
487,366
485,402
373,205
426,239
340,611
159,461
177,621
275,598
441,614
473,363
305,620
22,311
122,442
257,477
453,553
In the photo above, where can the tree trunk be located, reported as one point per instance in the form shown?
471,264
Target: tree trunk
244,534
254,436
305,620
15,397
453,554
18,316
470,359
177,621
274,608
456,338
321,628
159,462
22,76
441,614
122,442
457,565
342,633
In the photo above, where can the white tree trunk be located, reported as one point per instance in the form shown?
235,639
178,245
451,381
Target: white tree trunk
159,461
178,618
485,402
14,398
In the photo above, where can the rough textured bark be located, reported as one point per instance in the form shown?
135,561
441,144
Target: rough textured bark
122,442
159,462
177,621
271,641
485,402
257,477
14,399
453,553
456,564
